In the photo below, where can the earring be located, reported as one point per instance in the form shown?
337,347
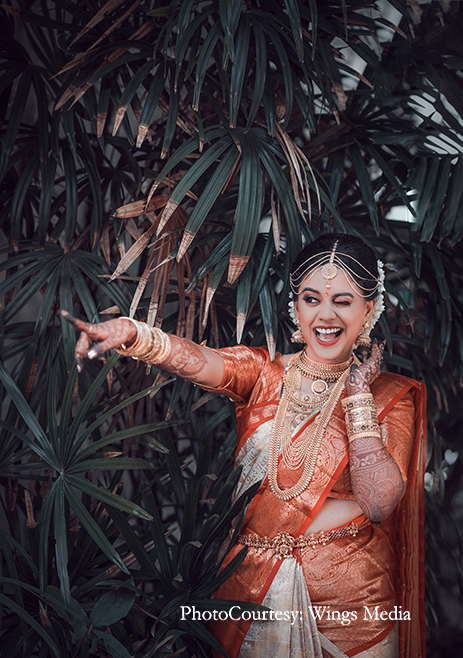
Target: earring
297,336
363,339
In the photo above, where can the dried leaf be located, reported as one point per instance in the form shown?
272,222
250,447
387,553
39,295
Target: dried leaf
120,114
44,620
101,13
202,305
180,329
416,11
138,208
236,266
70,91
134,252
132,228
143,282
240,322
112,310
106,245
32,376
163,296
167,213
113,26
276,220
190,316
340,94
30,521
187,239
142,132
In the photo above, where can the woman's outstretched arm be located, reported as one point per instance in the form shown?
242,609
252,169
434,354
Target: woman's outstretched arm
179,356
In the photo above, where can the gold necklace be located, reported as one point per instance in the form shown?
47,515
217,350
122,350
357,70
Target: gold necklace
307,449
322,373
300,409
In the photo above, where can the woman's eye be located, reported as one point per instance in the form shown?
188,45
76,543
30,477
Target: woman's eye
342,303
310,299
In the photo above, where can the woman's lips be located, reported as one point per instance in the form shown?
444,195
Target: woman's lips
327,335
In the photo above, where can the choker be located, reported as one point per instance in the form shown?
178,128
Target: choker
322,373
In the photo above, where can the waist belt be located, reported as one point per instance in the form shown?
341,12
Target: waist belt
284,545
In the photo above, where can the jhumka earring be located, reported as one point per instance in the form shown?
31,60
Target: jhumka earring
297,336
363,339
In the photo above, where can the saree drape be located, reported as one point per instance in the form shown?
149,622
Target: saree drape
355,593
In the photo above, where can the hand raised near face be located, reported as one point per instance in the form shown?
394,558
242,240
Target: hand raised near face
108,335
361,377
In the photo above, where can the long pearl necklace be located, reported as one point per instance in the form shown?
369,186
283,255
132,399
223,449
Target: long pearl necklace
305,450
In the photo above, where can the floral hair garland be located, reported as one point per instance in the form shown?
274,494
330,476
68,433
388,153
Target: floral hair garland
379,304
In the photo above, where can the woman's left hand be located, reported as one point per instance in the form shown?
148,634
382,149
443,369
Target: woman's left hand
361,377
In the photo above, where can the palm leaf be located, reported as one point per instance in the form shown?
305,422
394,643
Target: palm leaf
25,616
239,68
17,111
92,527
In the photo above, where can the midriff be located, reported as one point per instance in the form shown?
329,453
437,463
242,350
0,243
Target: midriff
333,513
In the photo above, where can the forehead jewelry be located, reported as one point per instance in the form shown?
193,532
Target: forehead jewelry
329,270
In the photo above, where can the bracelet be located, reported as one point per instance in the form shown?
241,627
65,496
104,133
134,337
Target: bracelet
151,345
358,401
361,416
356,415
363,431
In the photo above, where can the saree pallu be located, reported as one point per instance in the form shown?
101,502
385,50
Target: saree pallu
352,596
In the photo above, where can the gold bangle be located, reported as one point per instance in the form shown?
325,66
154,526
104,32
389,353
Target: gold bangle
358,401
359,424
151,345
365,435
363,427
361,416
355,415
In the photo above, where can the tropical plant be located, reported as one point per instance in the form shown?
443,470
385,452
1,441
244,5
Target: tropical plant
167,160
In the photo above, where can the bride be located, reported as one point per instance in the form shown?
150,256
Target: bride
334,533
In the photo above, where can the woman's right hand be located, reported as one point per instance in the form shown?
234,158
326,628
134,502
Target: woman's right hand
107,335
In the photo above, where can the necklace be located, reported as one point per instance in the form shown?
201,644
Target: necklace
300,409
303,451
322,373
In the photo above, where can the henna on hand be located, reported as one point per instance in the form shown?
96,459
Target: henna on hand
361,378
110,334
376,479
186,359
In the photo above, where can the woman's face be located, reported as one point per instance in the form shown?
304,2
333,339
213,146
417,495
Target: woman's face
331,318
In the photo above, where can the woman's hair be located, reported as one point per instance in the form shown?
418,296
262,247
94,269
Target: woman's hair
349,253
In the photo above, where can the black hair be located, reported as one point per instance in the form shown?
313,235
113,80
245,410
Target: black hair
358,257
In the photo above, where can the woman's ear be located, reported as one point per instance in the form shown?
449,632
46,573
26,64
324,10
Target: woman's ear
369,308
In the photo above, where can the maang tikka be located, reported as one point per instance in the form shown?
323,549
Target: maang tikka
329,271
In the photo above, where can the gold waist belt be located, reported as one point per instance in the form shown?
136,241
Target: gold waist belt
284,545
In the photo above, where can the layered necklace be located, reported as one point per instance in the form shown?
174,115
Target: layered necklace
322,373
296,407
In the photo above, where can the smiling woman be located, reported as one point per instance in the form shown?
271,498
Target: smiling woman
338,448
331,321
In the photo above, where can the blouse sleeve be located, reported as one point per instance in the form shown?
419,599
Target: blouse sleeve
242,368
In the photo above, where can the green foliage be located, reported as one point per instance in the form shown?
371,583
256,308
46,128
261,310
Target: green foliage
168,161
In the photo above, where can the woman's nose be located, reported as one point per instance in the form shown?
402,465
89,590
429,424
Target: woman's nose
326,311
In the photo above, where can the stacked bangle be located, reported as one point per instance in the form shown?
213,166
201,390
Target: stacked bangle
361,416
152,345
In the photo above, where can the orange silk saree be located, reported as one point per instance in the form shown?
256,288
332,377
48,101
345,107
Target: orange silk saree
356,596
